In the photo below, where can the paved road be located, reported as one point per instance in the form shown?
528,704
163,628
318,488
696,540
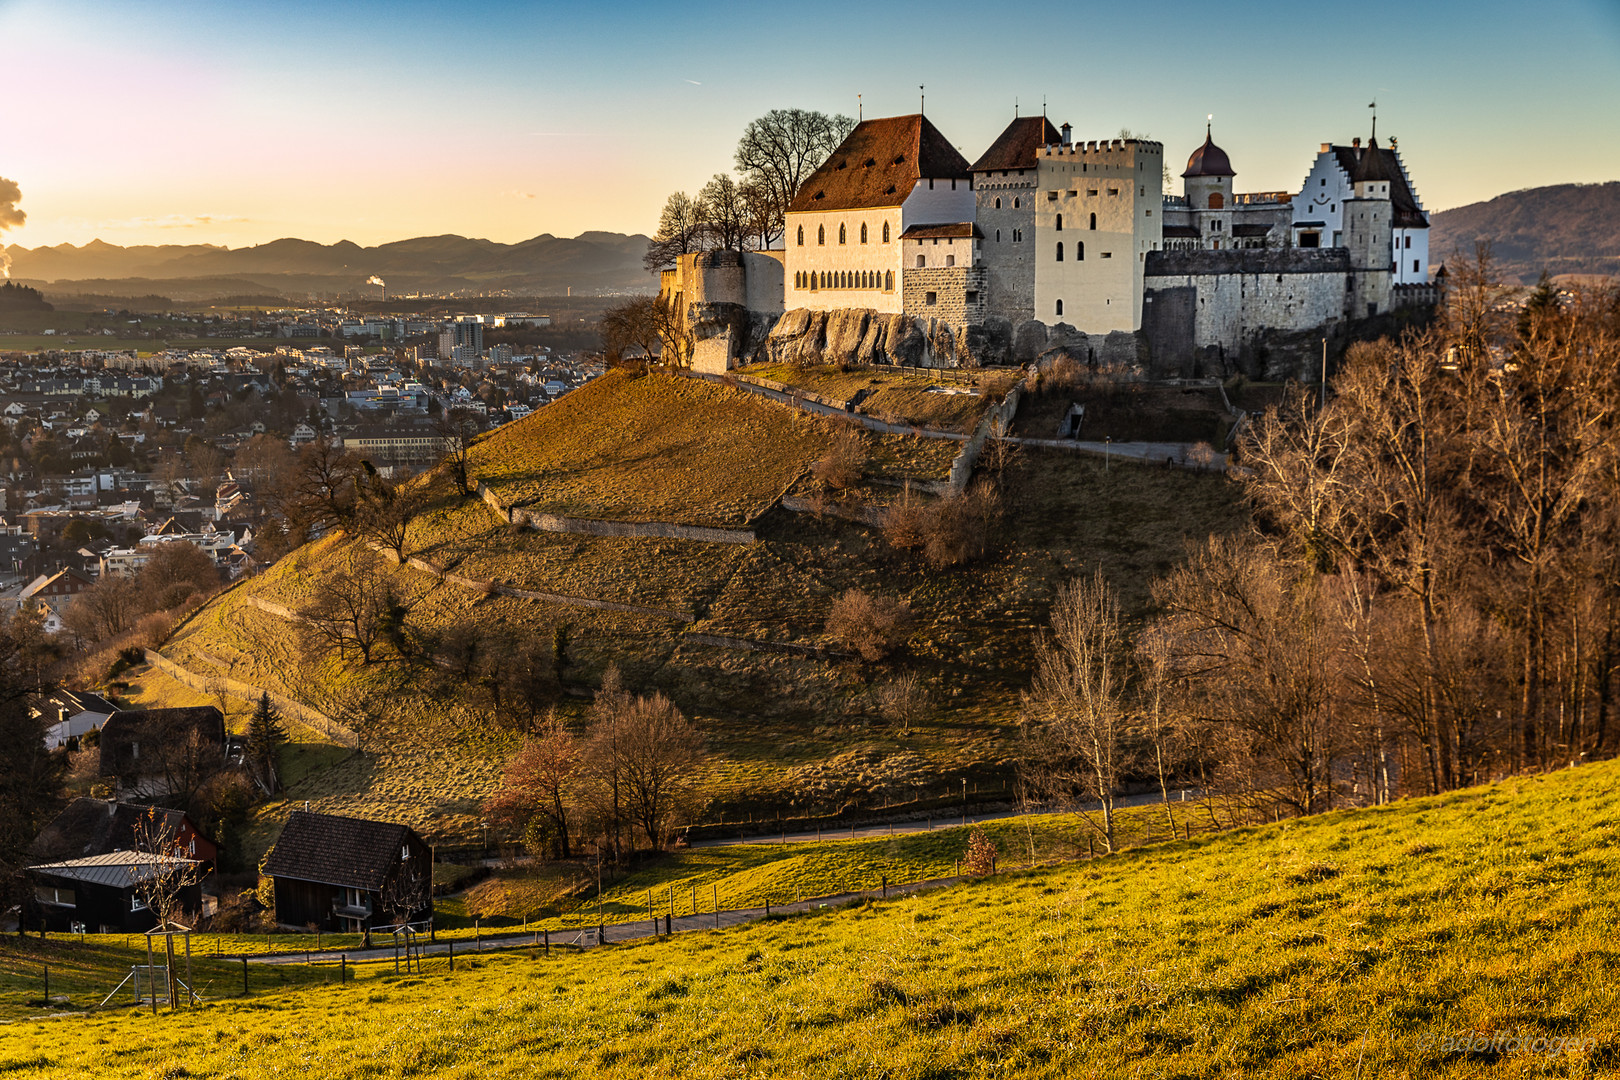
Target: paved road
903,828
611,933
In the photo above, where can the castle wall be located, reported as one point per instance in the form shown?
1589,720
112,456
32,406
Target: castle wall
1222,299
808,265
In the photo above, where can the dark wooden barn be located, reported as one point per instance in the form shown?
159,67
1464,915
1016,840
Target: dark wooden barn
349,874
100,894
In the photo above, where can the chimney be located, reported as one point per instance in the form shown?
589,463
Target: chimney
1356,142
1065,134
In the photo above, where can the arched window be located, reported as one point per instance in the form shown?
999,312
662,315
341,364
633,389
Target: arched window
821,234
950,260
998,203
1060,252
888,277
801,236
1216,201
1059,223
885,232
1093,222
1060,307
1015,204
922,261
863,232
841,232
1079,251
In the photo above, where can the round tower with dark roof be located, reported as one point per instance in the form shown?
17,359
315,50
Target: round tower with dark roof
1206,183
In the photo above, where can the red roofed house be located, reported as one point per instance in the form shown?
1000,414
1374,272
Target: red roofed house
844,227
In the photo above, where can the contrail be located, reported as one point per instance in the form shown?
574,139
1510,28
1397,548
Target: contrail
10,217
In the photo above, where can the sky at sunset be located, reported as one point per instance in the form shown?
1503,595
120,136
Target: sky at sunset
168,121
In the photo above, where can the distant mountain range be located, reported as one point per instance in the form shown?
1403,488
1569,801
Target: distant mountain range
1564,229
593,262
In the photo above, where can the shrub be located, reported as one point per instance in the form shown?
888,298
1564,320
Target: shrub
872,626
980,857
953,531
844,463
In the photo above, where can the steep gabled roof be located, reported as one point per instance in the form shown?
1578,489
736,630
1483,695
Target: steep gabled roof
91,827
879,164
1358,165
1015,147
151,727
350,852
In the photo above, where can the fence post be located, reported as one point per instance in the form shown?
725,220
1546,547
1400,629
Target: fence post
885,886
717,905
47,969
548,942
767,907
343,968
667,921
244,977
452,956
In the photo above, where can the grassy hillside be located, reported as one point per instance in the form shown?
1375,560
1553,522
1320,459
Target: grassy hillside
677,450
1353,944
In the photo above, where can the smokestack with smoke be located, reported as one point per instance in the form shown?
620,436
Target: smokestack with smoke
10,217
375,280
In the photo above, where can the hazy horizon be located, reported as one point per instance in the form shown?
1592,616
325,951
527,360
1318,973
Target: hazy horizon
180,122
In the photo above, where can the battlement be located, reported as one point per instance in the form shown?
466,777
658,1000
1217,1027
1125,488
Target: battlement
1104,146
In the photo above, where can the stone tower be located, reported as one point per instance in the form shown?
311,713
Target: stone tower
1207,181
1368,234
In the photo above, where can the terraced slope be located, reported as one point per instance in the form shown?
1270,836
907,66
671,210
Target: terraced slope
696,453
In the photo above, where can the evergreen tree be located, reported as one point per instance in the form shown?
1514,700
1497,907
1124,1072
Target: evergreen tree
266,735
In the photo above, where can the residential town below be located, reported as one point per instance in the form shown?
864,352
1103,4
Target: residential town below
109,454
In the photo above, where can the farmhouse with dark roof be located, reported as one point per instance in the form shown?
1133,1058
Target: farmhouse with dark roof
349,874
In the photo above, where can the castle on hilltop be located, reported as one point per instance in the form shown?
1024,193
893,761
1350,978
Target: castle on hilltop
897,249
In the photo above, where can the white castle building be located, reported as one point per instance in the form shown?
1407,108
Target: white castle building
1048,238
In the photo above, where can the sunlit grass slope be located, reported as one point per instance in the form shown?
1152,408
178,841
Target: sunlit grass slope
1341,946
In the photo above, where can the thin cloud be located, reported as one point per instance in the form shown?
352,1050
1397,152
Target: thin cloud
171,221
694,82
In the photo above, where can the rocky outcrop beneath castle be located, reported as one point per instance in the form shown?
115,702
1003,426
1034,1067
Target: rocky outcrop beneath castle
861,336
864,336
999,341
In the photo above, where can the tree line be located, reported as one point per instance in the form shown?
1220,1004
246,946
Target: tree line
1429,596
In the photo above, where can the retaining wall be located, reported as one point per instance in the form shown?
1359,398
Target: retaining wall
207,684
660,530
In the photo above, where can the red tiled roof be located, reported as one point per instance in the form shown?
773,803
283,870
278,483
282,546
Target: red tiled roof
879,164
1015,147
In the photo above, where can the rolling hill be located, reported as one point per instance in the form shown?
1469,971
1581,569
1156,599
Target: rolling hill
589,263
1468,935
1563,229
733,632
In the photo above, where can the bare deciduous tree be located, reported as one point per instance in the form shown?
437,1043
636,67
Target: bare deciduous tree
1076,713
782,148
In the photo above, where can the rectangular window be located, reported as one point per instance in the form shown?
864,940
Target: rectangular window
971,297
137,904
1414,266
1051,196
1108,254
930,299
51,894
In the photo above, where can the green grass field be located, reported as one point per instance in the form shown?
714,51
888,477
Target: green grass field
1352,944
